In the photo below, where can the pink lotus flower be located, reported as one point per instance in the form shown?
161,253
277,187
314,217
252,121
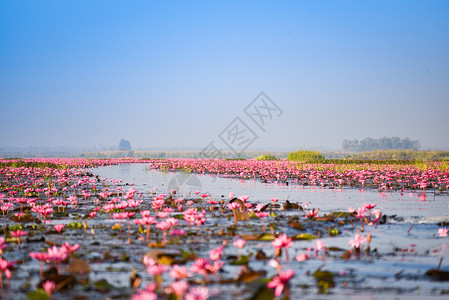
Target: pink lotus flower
41,257
197,293
199,266
4,268
319,245
70,249
178,272
153,267
147,294
302,257
240,243
442,232
215,254
312,214
282,241
2,244
215,267
179,288
59,227
233,205
358,241
49,287
18,233
280,282
56,255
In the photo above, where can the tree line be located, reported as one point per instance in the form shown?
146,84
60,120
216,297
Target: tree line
370,144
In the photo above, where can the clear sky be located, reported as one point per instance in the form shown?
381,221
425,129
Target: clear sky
177,73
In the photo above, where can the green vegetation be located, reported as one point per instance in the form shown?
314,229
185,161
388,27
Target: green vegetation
18,163
404,155
266,157
304,155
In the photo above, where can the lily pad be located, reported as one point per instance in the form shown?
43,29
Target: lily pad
305,237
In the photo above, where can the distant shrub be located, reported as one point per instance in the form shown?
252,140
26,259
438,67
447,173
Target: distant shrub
267,157
303,155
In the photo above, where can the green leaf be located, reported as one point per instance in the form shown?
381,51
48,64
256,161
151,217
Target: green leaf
266,237
38,295
305,236
244,260
179,216
103,285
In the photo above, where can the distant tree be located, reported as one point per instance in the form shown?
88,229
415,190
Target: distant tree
124,145
370,144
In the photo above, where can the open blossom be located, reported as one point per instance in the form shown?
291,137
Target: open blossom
358,241
70,249
153,267
233,205
282,241
262,214
179,288
59,227
312,213
215,267
177,232
442,232
18,233
177,272
2,244
147,294
259,207
199,266
197,293
240,243
369,206
302,257
319,245
215,254
56,255
279,282
4,267
164,225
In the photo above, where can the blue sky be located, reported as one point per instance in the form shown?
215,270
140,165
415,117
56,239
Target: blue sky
176,73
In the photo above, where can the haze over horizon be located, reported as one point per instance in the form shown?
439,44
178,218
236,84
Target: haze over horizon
177,74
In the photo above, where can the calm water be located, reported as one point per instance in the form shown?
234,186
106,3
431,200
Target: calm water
392,274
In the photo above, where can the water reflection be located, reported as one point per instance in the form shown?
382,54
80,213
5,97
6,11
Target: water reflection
408,205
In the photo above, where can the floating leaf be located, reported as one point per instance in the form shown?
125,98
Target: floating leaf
263,293
325,280
296,225
243,260
305,236
38,295
266,237
78,266
260,255
249,275
103,285
188,255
